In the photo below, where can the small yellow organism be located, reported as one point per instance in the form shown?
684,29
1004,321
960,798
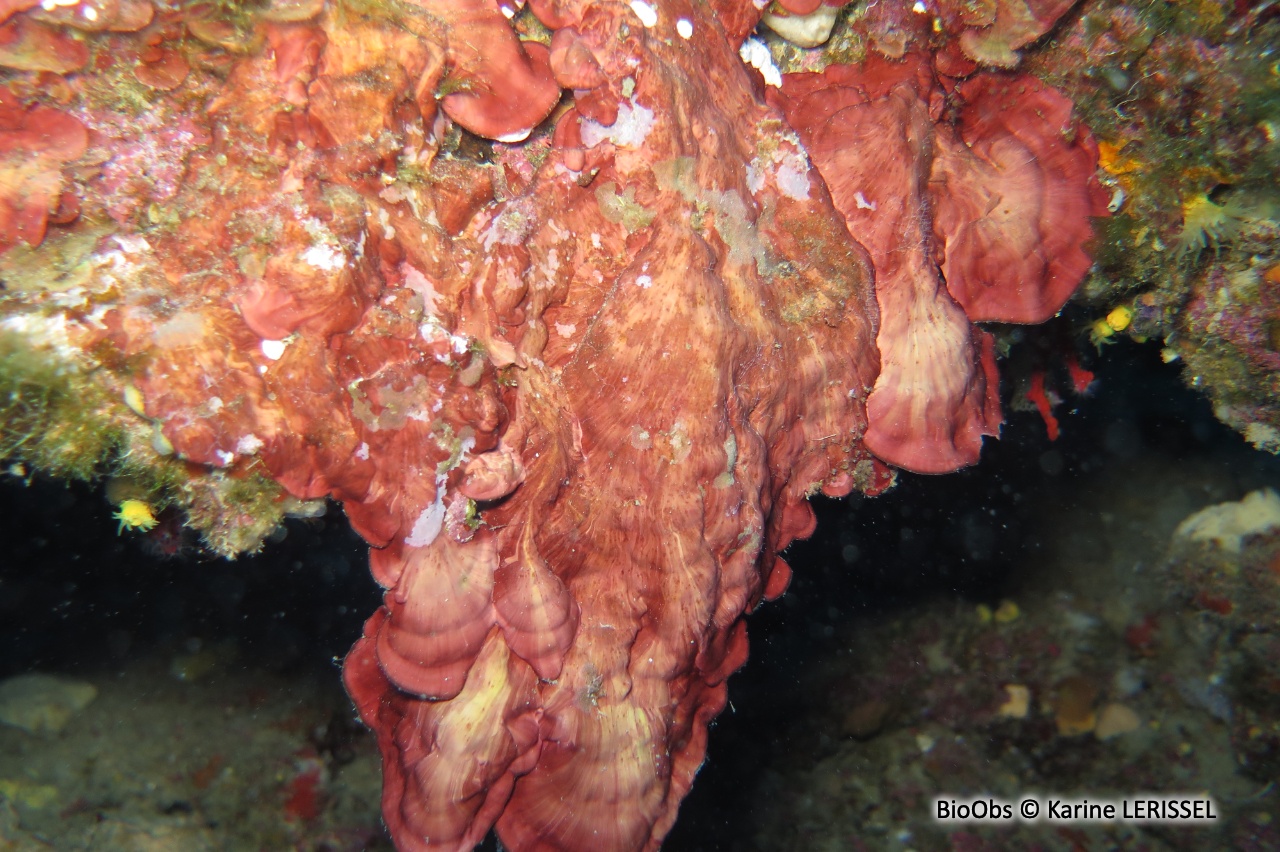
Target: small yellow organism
136,515
1207,224
133,399
1007,611
1119,318
1018,703
1104,329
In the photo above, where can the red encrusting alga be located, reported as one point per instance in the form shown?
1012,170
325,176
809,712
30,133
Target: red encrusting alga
975,201
36,142
575,392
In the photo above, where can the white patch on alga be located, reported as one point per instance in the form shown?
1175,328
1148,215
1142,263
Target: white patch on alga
249,445
122,268
225,457
429,523
793,177
431,330
388,230
362,451
97,315
790,167
640,438
510,227
420,284
431,520
565,329
183,329
629,130
646,13
685,28
132,244
324,256
273,349
552,264
862,202
644,282
394,193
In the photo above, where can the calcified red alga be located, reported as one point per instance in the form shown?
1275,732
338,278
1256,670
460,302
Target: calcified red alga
571,326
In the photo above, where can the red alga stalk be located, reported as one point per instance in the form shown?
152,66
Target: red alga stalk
1039,397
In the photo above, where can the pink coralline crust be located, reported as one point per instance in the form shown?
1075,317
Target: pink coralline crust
163,68
993,37
535,609
460,785
1243,317
30,45
492,476
572,63
143,157
871,131
297,291
799,7
1014,205
621,325
802,7
556,14
305,268
8,8
440,609
737,18
980,219
987,34
38,39
36,142
496,86
297,48
91,16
